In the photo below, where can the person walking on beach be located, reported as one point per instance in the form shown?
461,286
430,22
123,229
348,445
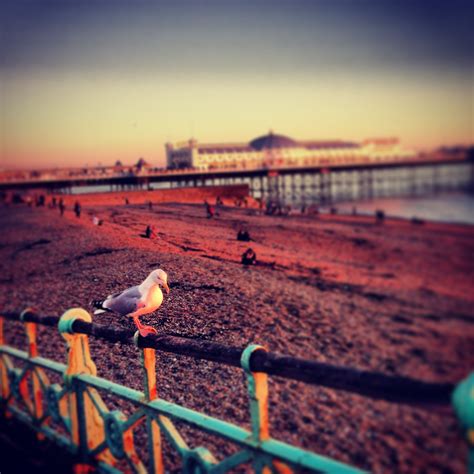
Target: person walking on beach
209,210
62,207
77,209
150,205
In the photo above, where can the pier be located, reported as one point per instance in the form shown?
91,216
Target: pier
316,184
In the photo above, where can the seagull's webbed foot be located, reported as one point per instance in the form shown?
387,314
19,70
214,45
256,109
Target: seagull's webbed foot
142,329
146,330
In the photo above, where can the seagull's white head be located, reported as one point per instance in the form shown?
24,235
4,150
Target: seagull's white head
160,277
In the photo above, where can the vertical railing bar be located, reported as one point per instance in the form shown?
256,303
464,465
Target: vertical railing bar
154,442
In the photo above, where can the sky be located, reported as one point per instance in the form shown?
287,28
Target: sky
87,82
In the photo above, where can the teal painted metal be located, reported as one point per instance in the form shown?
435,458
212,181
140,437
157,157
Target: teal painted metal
463,402
101,437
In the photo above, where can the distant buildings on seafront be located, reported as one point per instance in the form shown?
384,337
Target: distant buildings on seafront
275,151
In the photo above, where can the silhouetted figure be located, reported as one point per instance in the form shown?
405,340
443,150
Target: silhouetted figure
273,208
249,257
40,200
53,203
354,211
379,216
243,236
77,209
219,201
303,208
333,210
62,207
209,210
127,202
150,205
150,232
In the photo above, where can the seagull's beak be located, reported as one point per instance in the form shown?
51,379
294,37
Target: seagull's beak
166,287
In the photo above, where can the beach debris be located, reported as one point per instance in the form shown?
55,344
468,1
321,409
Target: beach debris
243,235
417,221
249,257
137,300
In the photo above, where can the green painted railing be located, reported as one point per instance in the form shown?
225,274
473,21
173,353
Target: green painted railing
75,416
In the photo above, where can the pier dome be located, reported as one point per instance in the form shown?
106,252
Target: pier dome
271,141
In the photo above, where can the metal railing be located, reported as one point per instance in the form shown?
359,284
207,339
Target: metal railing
105,439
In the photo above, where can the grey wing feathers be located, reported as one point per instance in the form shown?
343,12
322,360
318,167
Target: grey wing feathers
125,302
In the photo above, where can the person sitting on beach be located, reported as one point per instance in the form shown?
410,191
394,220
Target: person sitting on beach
77,209
243,236
150,232
249,257
96,220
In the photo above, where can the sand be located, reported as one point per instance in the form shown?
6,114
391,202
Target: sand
395,298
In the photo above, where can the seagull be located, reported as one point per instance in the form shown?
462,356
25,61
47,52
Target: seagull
137,300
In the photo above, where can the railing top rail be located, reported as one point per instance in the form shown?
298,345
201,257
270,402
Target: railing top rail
370,384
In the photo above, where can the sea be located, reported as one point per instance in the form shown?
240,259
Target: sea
448,207
454,207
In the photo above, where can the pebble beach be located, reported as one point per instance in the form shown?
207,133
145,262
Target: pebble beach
393,297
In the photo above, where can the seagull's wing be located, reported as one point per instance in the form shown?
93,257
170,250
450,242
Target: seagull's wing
124,303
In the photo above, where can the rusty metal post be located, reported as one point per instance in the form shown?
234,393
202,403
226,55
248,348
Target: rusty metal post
148,358
5,364
38,376
87,424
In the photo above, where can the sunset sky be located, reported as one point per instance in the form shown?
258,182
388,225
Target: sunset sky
93,81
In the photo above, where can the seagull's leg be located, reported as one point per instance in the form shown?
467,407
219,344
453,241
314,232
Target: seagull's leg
144,330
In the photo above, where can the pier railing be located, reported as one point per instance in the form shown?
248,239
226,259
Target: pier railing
74,415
